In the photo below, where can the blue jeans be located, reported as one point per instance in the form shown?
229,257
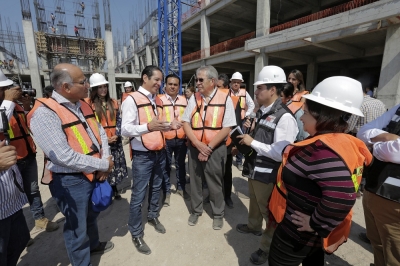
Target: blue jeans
147,169
14,235
179,148
72,193
29,172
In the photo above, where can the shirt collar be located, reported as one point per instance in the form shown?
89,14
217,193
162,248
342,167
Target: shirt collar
62,100
235,93
147,93
170,98
211,95
265,109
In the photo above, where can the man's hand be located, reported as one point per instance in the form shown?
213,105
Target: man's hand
176,124
246,139
111,163
247,124
202,158
26,101
8,156
234,151
101,176
385,137
113,139
158,125
13,94
203,148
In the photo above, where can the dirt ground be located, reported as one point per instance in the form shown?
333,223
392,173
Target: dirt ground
181,244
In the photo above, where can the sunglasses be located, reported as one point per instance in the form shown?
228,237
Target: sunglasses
199,80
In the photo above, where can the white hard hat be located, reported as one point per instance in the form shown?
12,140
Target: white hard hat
237,75
342,93
97,79
4,81
127,84
271,75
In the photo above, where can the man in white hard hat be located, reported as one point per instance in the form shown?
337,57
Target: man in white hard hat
26,150
244,106
274,123
128,89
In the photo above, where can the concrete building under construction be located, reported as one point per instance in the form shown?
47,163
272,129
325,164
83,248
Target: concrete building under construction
356,38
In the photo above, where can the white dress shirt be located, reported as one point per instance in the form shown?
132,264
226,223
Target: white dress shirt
388,151
9,106
249,102
130,120
229,116
285,133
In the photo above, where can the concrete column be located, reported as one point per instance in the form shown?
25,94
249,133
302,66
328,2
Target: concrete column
205,34
251,81
132,42
32,57
312,74
141,37
119,58
110,64
154,28
389,80
153,51
125,50
46,74
149,61
137,63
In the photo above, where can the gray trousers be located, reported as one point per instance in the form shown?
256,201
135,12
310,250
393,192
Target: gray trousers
212,171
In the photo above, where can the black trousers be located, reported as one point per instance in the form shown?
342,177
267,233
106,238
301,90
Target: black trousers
228,176
286,251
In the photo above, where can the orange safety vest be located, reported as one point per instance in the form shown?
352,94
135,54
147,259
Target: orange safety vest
153,141
206,129
124,96
74,129
172,111
108,123
297,96
19,133
239,101
353,152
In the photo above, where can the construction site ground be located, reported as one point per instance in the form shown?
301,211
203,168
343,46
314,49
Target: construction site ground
181,244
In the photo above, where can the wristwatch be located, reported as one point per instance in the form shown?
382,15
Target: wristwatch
210,147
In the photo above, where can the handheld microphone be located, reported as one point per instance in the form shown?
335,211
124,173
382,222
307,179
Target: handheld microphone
252,116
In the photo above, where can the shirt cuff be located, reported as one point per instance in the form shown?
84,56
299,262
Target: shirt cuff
104,164
142,129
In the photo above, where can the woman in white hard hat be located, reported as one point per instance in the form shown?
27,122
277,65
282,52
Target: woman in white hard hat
317,182
107,113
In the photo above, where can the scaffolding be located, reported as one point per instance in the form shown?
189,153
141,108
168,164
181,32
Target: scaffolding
59,13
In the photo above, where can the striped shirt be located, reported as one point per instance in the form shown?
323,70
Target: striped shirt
11,198
319,184
371,108
49,136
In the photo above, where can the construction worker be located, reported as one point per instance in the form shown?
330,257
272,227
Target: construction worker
223,83
26,150
317,182
208,119
243,104
128,88
275,123
142,122
66,129
174,106
53,18
381,199
76,30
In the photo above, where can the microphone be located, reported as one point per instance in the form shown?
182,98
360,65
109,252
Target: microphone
252,116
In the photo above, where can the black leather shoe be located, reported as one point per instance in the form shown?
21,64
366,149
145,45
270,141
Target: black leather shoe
229,203
141,246
157,225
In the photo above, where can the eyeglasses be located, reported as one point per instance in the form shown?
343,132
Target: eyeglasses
83,82
199,80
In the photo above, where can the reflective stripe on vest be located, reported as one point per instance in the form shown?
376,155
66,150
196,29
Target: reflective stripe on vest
239,101
19,133
173,111
153,141
74,129
206,129
354,154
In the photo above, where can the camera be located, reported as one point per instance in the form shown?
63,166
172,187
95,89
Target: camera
29,92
